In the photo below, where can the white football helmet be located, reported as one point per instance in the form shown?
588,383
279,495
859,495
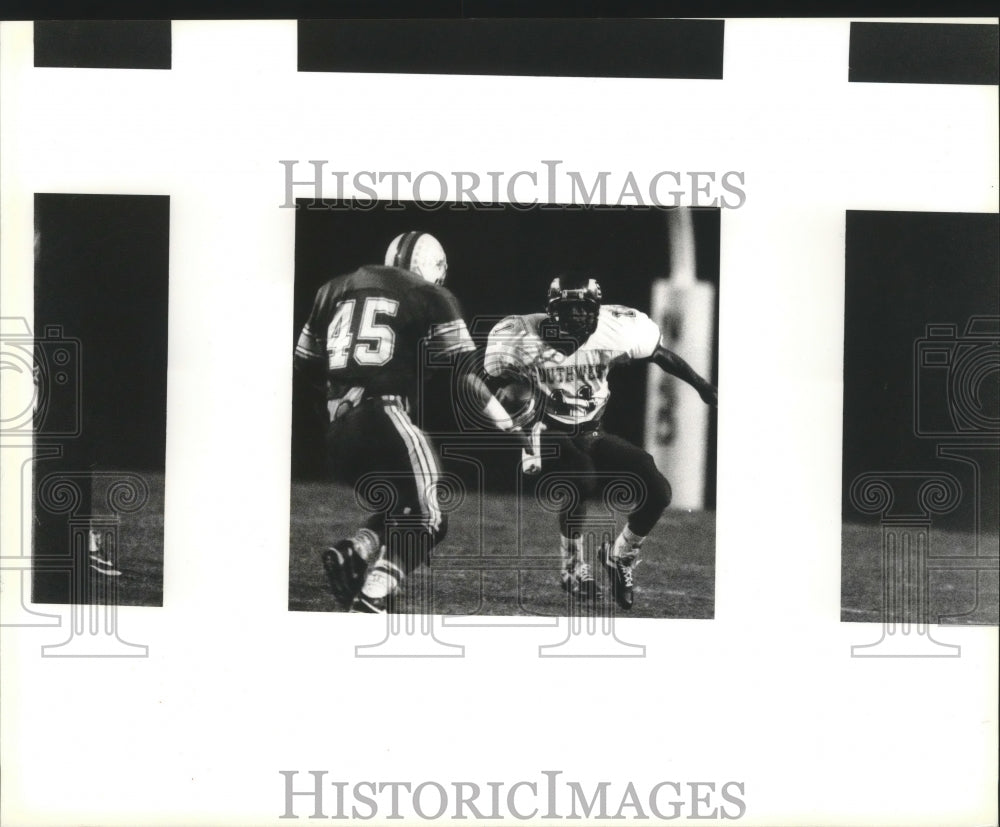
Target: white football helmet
419,253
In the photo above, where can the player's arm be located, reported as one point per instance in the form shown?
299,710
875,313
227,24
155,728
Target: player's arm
310,350
671,363
643,343
481,399
309,388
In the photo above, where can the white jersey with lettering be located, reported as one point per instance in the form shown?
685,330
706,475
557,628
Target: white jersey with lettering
575,386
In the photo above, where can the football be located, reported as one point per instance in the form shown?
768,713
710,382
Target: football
520,400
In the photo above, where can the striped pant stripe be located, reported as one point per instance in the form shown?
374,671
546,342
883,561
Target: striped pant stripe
423,461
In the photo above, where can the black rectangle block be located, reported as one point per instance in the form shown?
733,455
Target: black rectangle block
103,44
562,48
924,53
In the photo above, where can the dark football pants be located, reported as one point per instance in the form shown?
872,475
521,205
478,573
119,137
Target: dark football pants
590,461
395,471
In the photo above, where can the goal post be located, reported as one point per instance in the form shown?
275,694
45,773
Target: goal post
677,421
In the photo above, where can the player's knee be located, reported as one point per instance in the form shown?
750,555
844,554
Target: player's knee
658,493
661,492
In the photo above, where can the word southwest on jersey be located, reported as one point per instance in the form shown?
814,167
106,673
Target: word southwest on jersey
569,373
322,188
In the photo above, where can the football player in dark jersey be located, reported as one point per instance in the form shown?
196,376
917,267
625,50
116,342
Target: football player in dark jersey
564,356
366,341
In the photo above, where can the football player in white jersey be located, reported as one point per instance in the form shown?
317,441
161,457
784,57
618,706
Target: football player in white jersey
559,361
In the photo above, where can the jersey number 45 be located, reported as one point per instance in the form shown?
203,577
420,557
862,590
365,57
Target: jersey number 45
361,335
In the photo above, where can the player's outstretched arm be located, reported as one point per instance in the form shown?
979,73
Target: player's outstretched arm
670,362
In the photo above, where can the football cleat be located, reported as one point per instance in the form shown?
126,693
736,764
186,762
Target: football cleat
578,579
381,587
345,571
587,585
621,573
101,562
370,605
569,581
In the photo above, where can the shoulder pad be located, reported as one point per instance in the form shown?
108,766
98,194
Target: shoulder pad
510,326
620,311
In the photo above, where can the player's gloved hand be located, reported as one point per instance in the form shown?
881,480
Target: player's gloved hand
709,395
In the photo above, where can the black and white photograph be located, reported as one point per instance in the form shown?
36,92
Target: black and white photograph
921,418
531,474
499,416
99,418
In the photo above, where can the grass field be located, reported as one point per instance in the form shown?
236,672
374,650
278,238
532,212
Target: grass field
955,593
488,566
140,548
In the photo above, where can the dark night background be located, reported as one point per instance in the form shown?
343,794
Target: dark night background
500,261
907,270
101,271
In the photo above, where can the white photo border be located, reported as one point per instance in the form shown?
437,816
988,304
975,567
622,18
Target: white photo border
236,689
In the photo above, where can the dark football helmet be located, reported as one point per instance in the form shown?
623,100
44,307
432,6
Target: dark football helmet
574,304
